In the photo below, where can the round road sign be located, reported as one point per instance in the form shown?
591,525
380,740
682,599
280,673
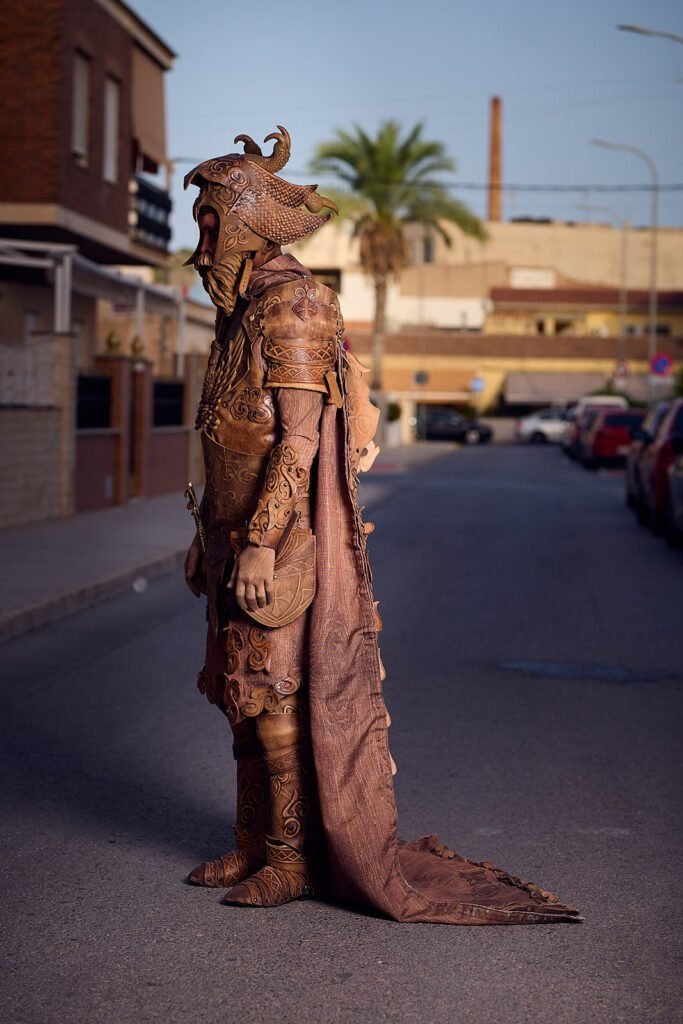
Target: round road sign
661,365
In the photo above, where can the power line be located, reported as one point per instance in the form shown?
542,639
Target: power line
509,187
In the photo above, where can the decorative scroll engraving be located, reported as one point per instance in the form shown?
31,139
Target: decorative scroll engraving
306,305
232,480
224,369
234,644
252,404
266,699
259,656
285,481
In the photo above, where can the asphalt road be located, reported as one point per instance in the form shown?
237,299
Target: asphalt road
533,642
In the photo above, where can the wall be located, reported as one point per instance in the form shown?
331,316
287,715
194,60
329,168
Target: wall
17,298
30,465
96,467
579,252
168,460
32,101
450,360
88,27
36,71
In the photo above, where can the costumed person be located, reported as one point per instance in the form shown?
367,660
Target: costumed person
292,657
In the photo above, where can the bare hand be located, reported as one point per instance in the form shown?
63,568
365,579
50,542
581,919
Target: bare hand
252,578
194,568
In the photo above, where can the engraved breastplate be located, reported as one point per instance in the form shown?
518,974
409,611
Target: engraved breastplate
237,446
244,418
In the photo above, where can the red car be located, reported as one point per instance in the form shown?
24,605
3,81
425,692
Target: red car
607,440
654,465
579,430
642,437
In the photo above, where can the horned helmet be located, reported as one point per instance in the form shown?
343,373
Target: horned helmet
253,206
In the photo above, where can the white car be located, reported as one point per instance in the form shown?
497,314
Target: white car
546,425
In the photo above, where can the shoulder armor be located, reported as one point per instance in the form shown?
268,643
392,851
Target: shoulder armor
300,322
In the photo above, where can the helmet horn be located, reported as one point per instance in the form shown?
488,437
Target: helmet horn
281,150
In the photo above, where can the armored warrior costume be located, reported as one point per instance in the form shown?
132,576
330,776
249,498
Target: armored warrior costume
292,658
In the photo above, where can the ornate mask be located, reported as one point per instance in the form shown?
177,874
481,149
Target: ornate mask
253,206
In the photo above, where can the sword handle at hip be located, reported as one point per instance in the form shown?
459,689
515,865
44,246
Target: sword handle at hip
193,506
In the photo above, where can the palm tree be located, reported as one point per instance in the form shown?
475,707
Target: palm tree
389,184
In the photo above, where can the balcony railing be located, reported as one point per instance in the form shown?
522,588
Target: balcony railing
150,211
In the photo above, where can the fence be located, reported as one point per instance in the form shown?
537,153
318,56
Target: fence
28,374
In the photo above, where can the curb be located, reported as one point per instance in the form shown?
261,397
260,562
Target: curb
24,620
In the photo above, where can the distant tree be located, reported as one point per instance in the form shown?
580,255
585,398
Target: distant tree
389,183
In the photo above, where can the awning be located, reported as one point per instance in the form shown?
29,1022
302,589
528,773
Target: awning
149,107
550,388
100,282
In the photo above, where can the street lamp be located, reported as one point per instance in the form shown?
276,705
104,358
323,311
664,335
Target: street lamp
654,219
641,31
623,224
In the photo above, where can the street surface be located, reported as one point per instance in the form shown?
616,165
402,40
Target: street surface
533,644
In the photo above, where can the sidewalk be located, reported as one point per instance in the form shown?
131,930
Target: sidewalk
54,568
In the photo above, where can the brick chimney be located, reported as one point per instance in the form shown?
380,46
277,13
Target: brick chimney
495,204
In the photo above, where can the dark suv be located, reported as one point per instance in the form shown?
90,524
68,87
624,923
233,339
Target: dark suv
444,423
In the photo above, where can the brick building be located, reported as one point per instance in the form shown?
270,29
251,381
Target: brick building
84,224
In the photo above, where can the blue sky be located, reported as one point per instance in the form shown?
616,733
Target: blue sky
563,71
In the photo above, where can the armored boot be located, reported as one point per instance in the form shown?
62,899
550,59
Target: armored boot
286,874
252,819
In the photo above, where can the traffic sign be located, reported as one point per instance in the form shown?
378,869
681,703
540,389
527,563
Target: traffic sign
477,384
661,365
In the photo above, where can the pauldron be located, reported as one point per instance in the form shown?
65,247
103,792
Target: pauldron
286,481
300,323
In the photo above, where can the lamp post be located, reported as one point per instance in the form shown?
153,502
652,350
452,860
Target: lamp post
654,219
642,31
623,224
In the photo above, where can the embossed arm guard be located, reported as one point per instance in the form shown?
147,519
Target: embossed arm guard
299,322
286,481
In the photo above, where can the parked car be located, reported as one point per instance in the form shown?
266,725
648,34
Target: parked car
654,465
642,437
617,401
574,444
575,418
545,425
444,423
607,440
674,512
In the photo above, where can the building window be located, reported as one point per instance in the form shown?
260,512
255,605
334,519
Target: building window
428,249
80,111
110,162
31,321
80,346
329,277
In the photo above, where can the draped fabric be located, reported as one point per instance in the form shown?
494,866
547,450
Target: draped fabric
368,866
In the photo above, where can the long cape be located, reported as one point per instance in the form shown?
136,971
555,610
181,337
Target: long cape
418,881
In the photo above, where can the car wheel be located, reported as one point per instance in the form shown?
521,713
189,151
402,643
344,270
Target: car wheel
642,512
472,436
538,437
658,522
671,532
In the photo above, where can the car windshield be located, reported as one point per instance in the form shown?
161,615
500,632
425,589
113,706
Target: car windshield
653,420
624,419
